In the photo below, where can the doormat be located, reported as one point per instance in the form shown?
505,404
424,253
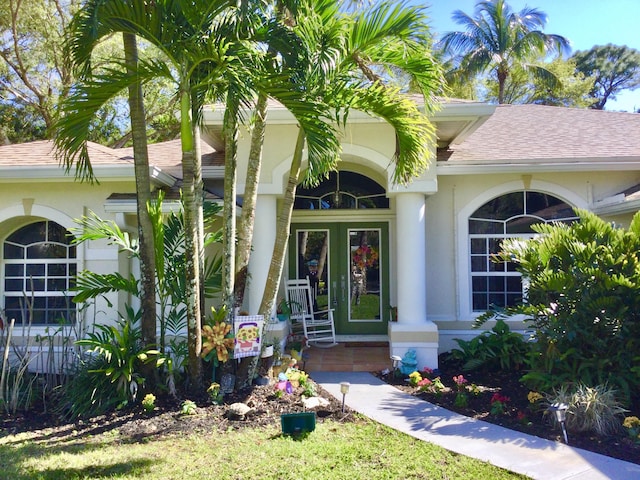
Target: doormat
366,344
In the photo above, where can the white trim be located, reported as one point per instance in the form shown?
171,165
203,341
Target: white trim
102,173
463,270
535,166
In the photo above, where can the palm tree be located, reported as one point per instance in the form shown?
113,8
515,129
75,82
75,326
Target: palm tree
344,52
143,195
210,49
496,40
196,45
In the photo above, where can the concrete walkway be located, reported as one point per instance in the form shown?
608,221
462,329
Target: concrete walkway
514,451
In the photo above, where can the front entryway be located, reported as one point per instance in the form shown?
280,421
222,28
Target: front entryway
348,266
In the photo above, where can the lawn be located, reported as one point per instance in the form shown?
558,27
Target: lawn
351,450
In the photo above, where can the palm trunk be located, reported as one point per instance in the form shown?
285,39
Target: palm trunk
282,231
229,209
247,219
192,244
143,191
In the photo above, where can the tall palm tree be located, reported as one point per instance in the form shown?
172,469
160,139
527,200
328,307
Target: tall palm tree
496,39
196,45
210,50
143,195
344,54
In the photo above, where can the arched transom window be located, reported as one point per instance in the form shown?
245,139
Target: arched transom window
342,190
39,266
508,216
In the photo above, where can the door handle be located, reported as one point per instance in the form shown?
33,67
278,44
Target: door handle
335,295
343,286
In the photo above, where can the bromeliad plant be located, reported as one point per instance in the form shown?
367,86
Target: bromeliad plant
217,337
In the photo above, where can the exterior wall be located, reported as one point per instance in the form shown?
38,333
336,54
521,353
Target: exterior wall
448,279
62,202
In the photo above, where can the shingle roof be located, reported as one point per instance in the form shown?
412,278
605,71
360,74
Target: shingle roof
165,155
530,133
169,154
41,153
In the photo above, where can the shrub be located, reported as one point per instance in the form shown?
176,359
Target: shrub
109,375
499,348
583,303
594,409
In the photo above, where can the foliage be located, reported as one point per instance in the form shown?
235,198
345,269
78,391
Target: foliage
499,348
572,89
188,407
583,303
149,402
123,354
34,77
170,274
498,40
632,425
591,409
499,404
614,68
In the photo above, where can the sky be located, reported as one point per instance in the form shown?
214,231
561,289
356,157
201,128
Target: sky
584,22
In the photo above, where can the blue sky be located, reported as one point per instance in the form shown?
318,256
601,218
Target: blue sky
584,22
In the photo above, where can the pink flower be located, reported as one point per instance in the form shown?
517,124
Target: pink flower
459,380
424,382
427,370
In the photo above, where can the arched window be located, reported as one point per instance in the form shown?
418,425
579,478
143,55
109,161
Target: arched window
39,270
342,190
508,216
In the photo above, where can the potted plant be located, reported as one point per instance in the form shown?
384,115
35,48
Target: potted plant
283,310
267,350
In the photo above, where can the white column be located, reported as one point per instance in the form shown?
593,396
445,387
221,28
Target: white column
411,258
264,237
412,331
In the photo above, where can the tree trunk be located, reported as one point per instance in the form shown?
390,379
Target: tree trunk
282,231
143,192
247,219
192,245
230,129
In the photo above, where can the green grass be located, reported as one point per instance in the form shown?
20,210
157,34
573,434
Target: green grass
364,450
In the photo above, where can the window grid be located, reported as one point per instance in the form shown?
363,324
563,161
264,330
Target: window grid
39,271
506,217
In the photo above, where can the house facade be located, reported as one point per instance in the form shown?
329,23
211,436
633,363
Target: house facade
408,264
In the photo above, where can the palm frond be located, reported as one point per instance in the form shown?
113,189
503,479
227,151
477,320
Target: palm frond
91,285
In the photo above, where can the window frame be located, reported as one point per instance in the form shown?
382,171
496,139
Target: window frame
462,255
48,292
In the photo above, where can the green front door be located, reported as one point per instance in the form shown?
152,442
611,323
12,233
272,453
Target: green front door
348,266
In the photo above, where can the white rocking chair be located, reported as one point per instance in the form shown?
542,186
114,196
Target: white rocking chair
318,326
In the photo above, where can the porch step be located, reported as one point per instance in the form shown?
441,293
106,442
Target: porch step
344,358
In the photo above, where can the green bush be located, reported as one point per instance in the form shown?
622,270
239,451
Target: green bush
110,375
583,303
499,348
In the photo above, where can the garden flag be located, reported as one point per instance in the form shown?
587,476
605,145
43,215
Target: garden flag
247,331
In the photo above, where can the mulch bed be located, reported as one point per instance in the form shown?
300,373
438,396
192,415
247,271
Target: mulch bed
166,419
133,425
518,414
